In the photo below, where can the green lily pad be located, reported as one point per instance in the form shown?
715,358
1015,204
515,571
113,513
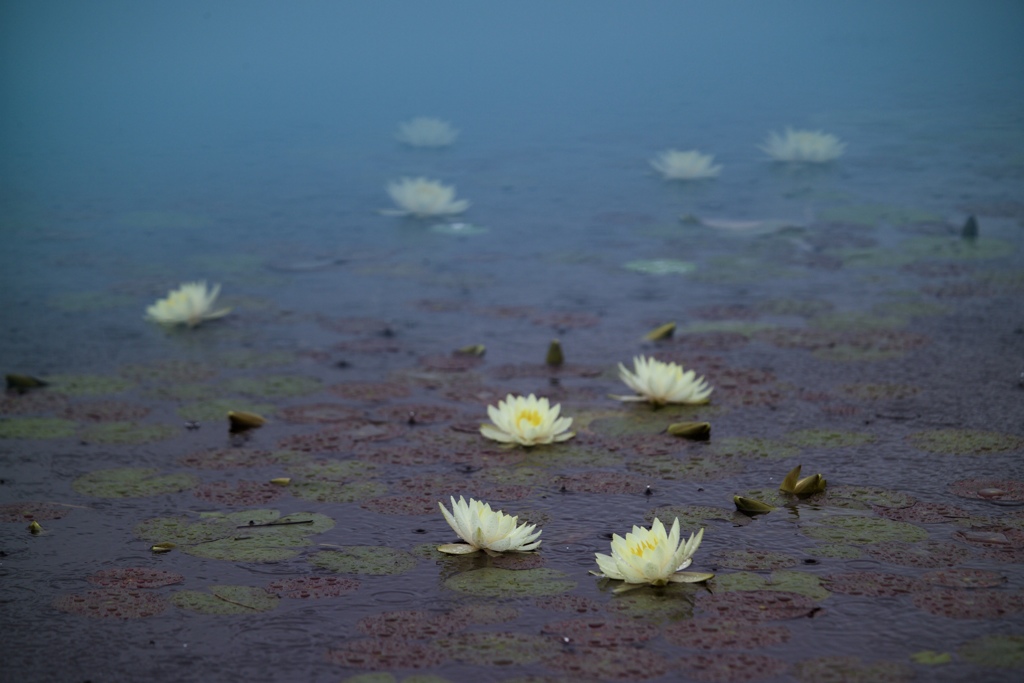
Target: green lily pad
334,470
660,267
839,496
497,649
754,560
273,386
88,385
336,492
863,530
826,438
691,517
217,409
171,371
782,580
131,482
697,468
995,650
37,428
966,441
931,658
245,360
754,447
128,433
373,560
247,536
836,551
226,600
843,669
509,583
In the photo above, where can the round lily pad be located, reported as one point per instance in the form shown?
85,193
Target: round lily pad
872,584
335,492
989,489
826,438
694,468
754,447
37,428
966,441
756,605
32,511
507,583
801,583
716,634
971,604
715,667
928,554
415,624
131,482
667,604
238,493
127,433
843,669
169,372
226,600
372,560
1004,651
868,495
273,386
118,603
599,632
384,653
754,560
691,517
497,649
312,587
610,664
863,530
135,577
965,578
88,385
106,411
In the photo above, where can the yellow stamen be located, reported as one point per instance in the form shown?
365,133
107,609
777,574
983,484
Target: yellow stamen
640,548
531,416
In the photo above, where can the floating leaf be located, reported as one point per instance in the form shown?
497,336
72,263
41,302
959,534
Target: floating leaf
26,511
966,441
37,428
89,385
843,669
863,530
226,600
118,603
131,482
127,433
801,583
135,577
312,587
497,649
373,560
507,583
996,650
273,386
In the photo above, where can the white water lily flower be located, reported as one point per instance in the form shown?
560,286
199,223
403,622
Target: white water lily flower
422,197
811,146
691,165
190,304
527,421
426,132
661,383
650,556
485,529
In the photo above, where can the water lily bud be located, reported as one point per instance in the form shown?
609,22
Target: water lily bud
24,382
281,481
662,332
241,421
555,357
474,350
35,528
751,505
697,431
162,547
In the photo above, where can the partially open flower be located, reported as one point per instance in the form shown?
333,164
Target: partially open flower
527,421
485,529
692,165
190,304
650,556
423,131
421,197
661,383
810,146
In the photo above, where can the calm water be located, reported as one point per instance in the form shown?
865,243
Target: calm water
856,333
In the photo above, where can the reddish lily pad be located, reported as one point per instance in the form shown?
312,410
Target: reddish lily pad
29,511
106,411
965,578
118,603
131,482
496,649
570,603
335,440
757,605
239,493
989,489
370,391
754,560
731,667
135,577
273,386
715,634
872,584
127,433
927,555
312,587
411,624
924,513
602,632
841,669
615,664
966,441
32,403
384,653
230,458
335,492
971,604
320,413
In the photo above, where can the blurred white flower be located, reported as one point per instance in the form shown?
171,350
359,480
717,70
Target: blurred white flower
190,304
484,529
527,421
426,132
692,165
811,146
422,197
650,556
662,383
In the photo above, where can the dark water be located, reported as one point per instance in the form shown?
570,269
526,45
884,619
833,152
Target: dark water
250,145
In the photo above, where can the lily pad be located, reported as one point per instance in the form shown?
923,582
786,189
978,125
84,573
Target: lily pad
372,560
842,669
226,600
131,482
995,650
113,433
88,385
754,447
715,634
598,632
825,438
135,577
614,664
335,492
380,653
312,587
37,428
497,649
29,511
863,530
754,560
966,441
117,603
800,583
715,667
989,489
273,386
971,604
757,605
508,583
691,517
